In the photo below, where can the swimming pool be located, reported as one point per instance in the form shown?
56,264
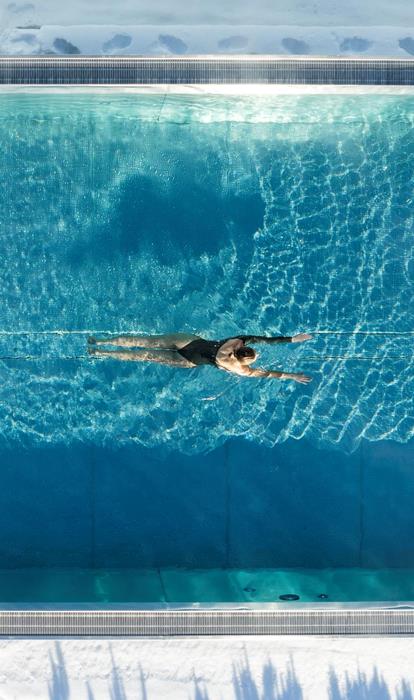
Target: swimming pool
217,216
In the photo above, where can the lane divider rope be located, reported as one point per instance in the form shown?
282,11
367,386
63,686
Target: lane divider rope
322,358
116,333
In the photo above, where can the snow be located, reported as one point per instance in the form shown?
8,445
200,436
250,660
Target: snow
373,27
182,39
233,668
232,12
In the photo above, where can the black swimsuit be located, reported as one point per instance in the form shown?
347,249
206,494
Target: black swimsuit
201,352
204,352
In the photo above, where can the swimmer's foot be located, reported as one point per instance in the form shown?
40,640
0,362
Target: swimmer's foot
97,341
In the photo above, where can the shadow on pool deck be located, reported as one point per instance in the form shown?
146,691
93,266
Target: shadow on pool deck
274,684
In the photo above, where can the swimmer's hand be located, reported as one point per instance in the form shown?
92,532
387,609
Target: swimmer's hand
301,378
301,337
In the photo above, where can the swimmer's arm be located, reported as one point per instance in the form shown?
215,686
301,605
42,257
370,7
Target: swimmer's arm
299,338
256,372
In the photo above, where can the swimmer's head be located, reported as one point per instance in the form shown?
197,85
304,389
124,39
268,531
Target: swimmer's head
245,355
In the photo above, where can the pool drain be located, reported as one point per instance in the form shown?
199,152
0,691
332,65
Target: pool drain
289,596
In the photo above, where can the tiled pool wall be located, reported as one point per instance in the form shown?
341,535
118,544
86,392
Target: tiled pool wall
241,506
205,70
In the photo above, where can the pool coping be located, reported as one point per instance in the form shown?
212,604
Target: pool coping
206,70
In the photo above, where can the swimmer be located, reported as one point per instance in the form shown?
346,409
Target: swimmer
183,350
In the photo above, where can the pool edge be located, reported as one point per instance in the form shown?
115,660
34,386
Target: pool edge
347,620
203,70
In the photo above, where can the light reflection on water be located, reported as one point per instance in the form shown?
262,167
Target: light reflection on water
217,216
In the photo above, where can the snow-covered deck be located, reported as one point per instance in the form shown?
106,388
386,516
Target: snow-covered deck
227,668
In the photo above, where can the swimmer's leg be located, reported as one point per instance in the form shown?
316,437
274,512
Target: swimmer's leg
172,341
162,357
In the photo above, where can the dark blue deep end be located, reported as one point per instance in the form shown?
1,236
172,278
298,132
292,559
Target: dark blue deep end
240,506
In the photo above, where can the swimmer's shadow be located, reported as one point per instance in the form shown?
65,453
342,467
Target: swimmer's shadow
168,224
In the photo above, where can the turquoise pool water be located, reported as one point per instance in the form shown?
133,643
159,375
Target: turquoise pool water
186,586
215,216
218,216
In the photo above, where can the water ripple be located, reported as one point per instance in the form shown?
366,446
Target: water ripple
220,218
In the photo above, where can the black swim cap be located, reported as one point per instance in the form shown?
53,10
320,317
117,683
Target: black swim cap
245,351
